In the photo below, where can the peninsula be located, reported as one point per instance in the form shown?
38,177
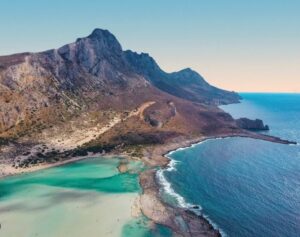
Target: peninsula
91,97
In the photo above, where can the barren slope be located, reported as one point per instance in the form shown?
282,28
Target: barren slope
92,94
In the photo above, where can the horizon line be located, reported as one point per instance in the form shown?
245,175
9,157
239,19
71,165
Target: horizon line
269,92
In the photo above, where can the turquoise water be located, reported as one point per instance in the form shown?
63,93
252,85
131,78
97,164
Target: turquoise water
100,175
86,198
139,227
246,187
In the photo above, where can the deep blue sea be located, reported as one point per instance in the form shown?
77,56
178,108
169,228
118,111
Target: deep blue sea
245,187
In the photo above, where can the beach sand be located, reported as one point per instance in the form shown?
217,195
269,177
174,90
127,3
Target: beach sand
81,214
88,213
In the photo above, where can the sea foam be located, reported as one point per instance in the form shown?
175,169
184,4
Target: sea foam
168,189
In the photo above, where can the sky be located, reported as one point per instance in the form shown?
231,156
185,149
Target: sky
238,45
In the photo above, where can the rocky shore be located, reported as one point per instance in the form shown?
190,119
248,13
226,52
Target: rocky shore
183,222
92,98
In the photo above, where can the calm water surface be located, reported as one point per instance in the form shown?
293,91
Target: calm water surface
246,187
85,198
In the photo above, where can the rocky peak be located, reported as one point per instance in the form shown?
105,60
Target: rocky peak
101,33
187,70
105,39
188,75
89,52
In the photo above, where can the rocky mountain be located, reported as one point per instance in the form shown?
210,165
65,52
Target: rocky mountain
90,96
92,93
64,81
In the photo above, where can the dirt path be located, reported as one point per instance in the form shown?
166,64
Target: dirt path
81,136
141,109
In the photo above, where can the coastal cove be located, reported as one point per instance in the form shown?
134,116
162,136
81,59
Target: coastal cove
150,119
159,207
244,186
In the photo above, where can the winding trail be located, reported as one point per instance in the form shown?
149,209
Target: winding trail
81,136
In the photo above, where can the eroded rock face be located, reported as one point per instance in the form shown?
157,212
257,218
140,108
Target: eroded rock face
64,81
91,51
249,124
92,73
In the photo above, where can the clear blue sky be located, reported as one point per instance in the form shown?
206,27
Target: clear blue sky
235,44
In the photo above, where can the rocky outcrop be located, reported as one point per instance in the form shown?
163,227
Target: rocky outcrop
183,222
249,124
93,72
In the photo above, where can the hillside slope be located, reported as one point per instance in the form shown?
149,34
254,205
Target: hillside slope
186,84
87,94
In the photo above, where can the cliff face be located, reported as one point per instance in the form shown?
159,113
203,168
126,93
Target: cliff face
249,124
65,81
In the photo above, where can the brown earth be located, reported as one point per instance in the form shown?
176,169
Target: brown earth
91,97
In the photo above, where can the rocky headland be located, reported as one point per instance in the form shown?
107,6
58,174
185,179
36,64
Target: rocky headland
90,97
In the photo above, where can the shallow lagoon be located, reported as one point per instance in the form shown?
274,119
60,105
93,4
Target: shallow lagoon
86,198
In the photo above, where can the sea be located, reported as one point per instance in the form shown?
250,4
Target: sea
244,187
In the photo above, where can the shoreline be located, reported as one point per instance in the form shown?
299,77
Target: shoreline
167,187
196,225
7,170
182,221
11,171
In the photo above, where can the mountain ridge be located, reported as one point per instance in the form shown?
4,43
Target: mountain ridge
101,44
90,97
171,82
80,88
